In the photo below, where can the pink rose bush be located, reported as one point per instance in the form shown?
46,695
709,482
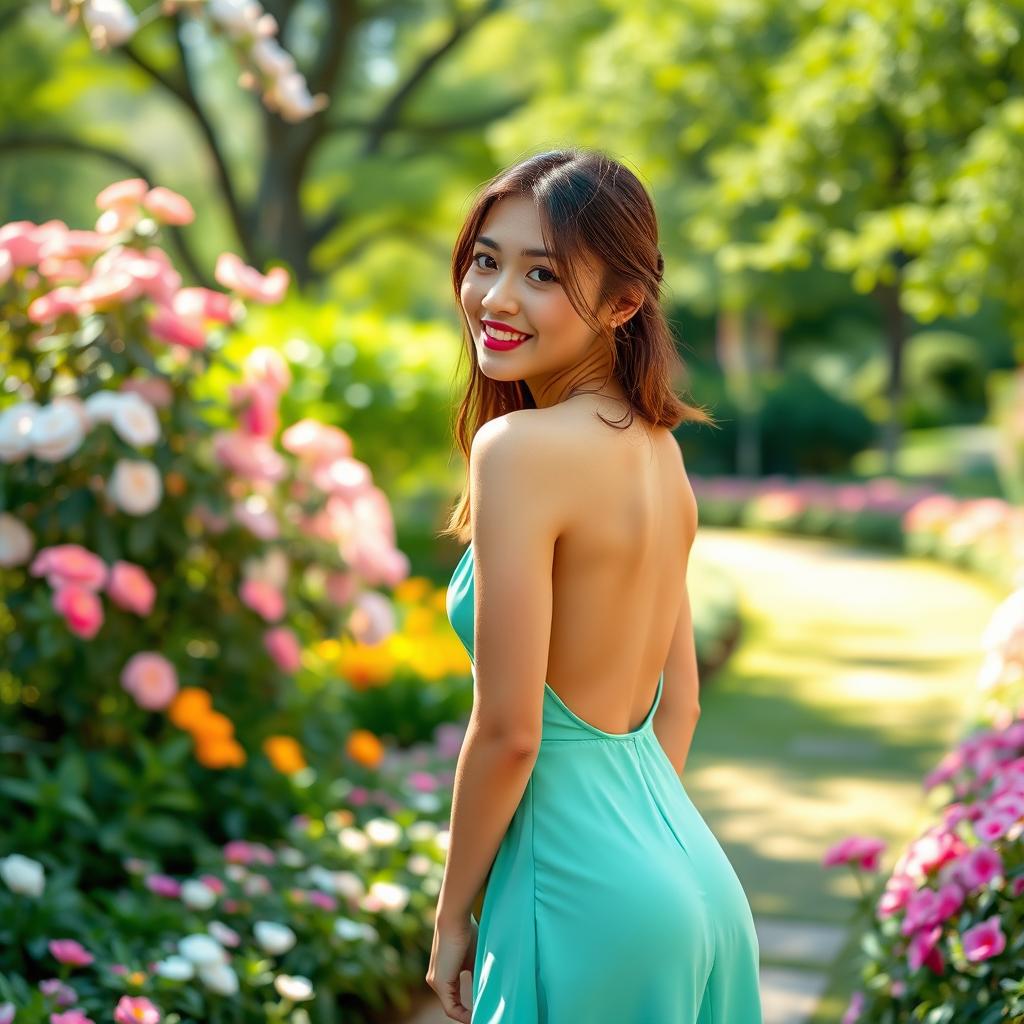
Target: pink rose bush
946,931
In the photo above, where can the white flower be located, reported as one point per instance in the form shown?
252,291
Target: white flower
353,839
58,430
135,421
273,938
419,864
386,896
425,803
383,831
16,431
23,875
219,978
291,858
135,486
237,17
110,22
176,968
16,541
223,934
268,55
349,884
100,406
421,831
346,928
201,949
197,895
294,987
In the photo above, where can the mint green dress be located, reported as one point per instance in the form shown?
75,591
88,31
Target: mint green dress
609,900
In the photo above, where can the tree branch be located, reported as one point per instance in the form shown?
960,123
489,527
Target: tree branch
11,144
388,117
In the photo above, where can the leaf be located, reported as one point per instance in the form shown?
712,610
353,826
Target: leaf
77,808
20,789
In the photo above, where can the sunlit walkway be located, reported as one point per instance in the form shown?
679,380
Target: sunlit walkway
851,680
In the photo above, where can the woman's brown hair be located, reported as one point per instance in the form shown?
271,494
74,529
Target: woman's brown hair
590,206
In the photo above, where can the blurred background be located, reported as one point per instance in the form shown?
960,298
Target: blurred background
230,699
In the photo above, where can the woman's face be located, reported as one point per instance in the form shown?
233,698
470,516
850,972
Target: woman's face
505,285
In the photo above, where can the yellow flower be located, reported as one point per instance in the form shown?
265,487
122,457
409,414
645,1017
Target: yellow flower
366,665
419,622
412,590
284,754
364,747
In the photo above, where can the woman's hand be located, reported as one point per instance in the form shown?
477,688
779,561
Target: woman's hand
453,952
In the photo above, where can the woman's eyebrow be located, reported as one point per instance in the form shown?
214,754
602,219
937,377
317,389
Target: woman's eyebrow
484,240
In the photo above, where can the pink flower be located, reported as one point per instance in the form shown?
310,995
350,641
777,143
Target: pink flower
214,883
135,1010
358,796
314,441
862,849
248,282
853,1011
263,598
70,1017
249,456
979,867
151,680
198,304
992,826
81,609
63,564
62,994
424,782
127,192
923,949
260,416
155,390
241,851
323,900
984,940
163,885
7,1010
169,326
283,647
168,207
68,951
130,588
265,367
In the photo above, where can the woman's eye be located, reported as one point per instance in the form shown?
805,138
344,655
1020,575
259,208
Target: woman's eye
544,270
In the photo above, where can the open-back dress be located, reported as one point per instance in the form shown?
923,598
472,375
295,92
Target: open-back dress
609,901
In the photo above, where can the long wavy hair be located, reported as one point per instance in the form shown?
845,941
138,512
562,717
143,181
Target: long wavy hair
589,205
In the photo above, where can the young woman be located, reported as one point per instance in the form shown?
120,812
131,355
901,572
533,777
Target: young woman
608,899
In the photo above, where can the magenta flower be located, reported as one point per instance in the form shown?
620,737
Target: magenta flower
135,1010
163,885
81,608
853,1011
68,951
979,867
984,940
62,994
862,849
923,949
71,1017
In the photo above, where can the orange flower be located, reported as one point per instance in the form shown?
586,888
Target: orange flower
219,753
212,726
366,665
191,703
284,753
364,747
